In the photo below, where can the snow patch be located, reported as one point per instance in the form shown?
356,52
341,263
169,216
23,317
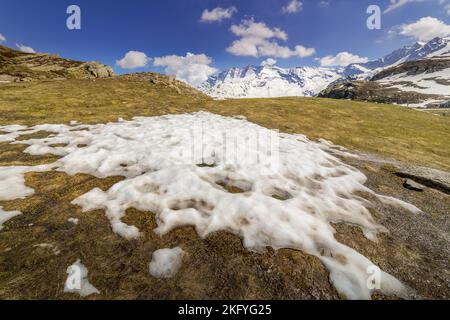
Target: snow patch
77,280
12,182
7,215
290,205
166,262
73,220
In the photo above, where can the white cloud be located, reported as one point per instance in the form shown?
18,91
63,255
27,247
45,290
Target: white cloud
395,4
259,40
292,7
269,62
324,3
133,60
2,38
217,14
25,49
193,68
447,8
425,29
342,59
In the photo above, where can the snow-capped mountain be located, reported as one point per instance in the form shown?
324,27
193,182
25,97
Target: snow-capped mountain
438,47
270,81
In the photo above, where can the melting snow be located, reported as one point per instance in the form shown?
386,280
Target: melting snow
7,215
166,262
73,220
77,280
285,199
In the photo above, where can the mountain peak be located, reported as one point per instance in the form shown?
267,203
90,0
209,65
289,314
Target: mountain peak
269,81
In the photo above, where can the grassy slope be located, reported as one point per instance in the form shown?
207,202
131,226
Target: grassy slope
119,268
404,134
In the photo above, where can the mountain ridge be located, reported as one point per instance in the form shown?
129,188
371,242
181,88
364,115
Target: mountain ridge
269,81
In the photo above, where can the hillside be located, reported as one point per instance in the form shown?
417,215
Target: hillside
53,230
418,83
18,66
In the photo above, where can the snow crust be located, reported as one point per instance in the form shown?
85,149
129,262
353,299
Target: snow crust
165,263
287,198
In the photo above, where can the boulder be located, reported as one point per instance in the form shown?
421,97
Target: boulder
98,70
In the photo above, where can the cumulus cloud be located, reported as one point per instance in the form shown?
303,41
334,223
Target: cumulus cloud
269,62
133,60
217,14
425,29
395,4
292,7
256,39
2,38
25,49
342,59
192,68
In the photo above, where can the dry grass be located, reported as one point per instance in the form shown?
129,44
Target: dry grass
394,131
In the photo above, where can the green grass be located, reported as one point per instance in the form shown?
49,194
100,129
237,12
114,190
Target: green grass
393,131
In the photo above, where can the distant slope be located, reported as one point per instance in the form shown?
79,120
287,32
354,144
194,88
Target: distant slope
19,66
438,47
428,76
419,83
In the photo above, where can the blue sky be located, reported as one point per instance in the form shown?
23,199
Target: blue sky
110,29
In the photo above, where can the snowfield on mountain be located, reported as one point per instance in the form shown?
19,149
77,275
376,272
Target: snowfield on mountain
270,81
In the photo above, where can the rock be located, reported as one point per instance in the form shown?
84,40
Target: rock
16,66
7,78
412,185
171,79
98,70
431,178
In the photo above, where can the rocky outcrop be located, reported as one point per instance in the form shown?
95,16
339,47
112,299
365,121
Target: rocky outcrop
373,92
16,66
94,70
432,178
